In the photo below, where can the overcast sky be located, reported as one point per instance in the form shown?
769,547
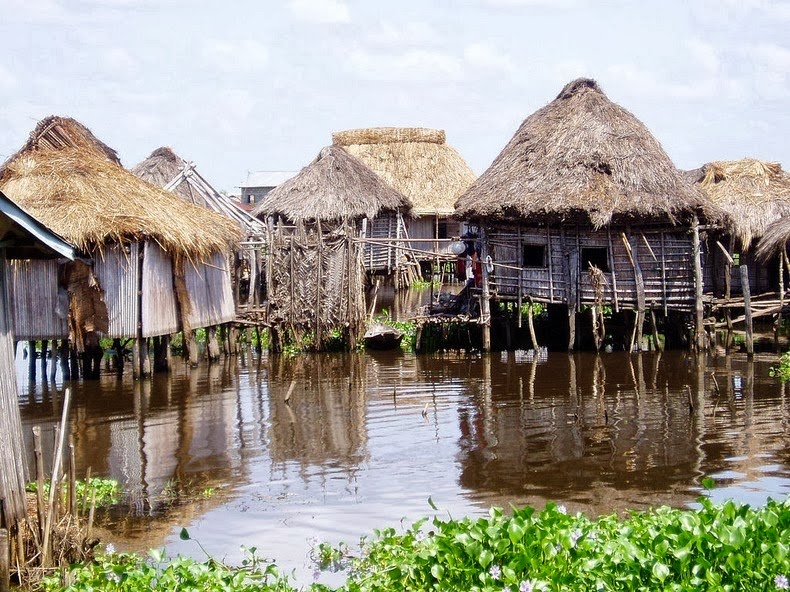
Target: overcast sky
247,85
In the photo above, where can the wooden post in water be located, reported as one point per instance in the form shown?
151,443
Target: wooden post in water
136,365
145,357
573,287
640,288
747,309
699,329
212,343
190,341
43,360
485,310
531,324
54,361
31,360
65,371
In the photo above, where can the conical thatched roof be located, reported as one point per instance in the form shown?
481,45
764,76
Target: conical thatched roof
75,185
753,193
417,162
582,158
164,168
334,187
774,239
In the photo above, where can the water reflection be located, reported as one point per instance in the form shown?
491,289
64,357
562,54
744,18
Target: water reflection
338,445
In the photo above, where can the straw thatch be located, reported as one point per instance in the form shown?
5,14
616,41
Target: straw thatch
774,239
335,186
418,162
164,168
753,193
581,158
89,199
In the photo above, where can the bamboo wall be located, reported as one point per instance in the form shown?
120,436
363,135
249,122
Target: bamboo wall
315,284
39,307
380,257
664,256
209,292
13,473
160,309
118,273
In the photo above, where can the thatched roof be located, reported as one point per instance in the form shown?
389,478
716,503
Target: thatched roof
753,193
334,187
774,239
164,168
77,187
582,158
417,162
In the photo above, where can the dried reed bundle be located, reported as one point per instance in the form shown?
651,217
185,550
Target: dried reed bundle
66,178
415,161
753,193
582,158
335,186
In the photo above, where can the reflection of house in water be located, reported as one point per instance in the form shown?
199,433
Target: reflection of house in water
323,420
595,426
161,439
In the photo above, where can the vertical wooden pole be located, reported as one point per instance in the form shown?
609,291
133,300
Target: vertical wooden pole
145,357
657,344
531,325
728,289
74,361
778,325
640,288
43,359
64,360
190,340
573,289
31,360
699,329
212,343
747,309
54,361
485,309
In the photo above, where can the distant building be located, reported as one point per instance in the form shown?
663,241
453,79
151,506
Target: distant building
259,183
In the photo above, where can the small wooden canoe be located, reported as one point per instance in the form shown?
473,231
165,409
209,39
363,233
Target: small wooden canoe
381,336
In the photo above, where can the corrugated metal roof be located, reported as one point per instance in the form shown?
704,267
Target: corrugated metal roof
266,178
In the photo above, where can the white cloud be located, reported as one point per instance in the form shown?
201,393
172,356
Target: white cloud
412,34
486,57
704,55
415,65
232,56
771,70
321,11
7,79
533,3
118,59
35,10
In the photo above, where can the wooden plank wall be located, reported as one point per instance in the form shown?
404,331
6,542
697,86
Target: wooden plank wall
118,274
209,291
160,309
39,309
381,257
664,254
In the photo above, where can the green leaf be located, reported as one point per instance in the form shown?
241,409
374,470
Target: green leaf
660,571
708,483
437,571
486,557
430,503
184,534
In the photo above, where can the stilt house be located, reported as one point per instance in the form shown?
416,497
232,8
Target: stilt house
420,164
22,237
583,208
315,282
754,194
166,169
146,246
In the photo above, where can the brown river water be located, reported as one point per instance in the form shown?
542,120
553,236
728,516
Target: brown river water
364,440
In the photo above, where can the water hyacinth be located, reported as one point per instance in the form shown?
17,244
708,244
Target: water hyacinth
781,582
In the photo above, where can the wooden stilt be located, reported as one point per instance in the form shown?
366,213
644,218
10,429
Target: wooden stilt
74,361
778,323
700,339
573,286
118,358
162,353
485,310
259,341
192,348
31,360
747,309
531,325
65,371
657,344
145,358
212,344
53,364
43,359
136,358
